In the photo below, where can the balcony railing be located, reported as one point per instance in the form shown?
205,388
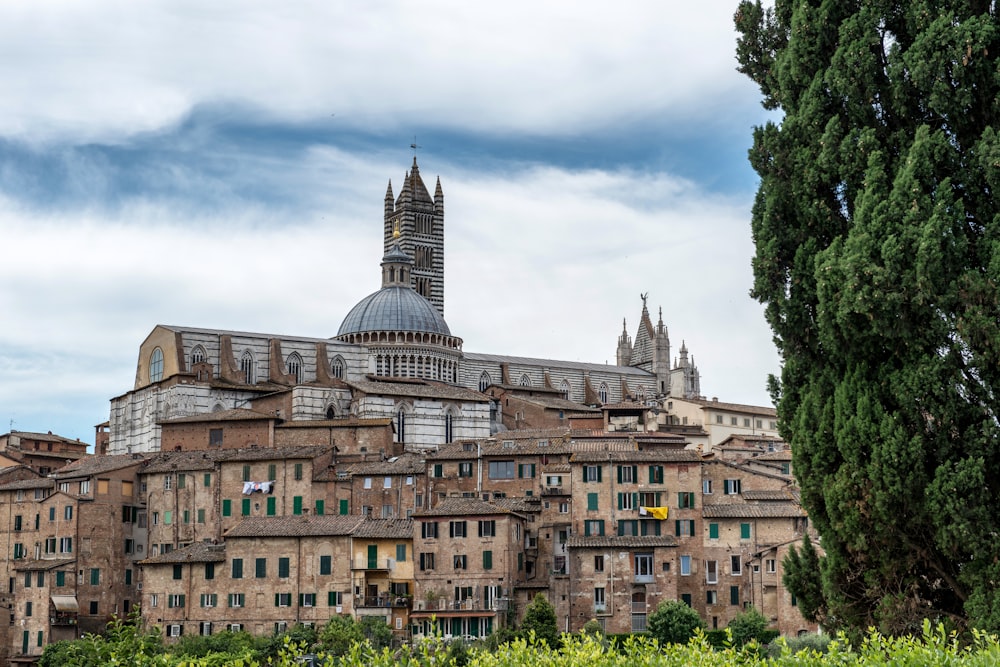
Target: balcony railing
638,607
642,578
62,619
373,564
386,601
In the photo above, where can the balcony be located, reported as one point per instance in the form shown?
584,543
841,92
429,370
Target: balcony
384,601
62,620
383,564
642,578
555,491
600,609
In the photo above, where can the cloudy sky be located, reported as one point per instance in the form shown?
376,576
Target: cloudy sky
223,165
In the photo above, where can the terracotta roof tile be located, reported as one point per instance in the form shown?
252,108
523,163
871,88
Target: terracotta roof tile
462,507
199,552
296,526
237,414
614,541
639,456
769,510
385,529
93,465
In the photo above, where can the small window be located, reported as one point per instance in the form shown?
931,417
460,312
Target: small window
215,438
735,566
685,566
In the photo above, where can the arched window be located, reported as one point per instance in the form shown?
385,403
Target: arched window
219,407
198,355
331,411
641,394
484,381
525,380
449,432
564,388
247,367
156,365
294,366
603,392
337,367
401,424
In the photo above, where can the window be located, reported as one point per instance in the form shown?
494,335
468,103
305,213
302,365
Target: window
449,428
283,568
246,472
247,367
564,508
526,470
168,482
626,474
593,527
215,437
731,487
400,553
237,600
175,601
734,595
685,566
65,545
501,470
598,563
712,572
175,630
684,527
713,531
282,599
600,601
260,568
643,567
592,473
465,469
746,422
769,566
718,419
602,393
154,600
84,488
367,483
294,367
456,529
711,597
206,628
735,566
209,600
178,571
656,474
706,487
685,500
744,531
334,598
488,528
237,569
592,499
227,507
460,562
27,608
627,501
628,527
488,560
245,507
307,599
156,365
18,522
426,561
168,517
387,482
60,578
734,421
429,529
209,571
296,505
484,381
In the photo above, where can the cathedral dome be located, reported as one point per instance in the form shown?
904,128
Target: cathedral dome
394,308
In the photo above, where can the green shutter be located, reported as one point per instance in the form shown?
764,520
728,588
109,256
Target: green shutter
187,516
320,507
677,527
344,506
181,480
591,501
734,595
277,599
619,500
272,506
599,473
227,507
237,568
619,474
745,531
61,578
272,472
487,560
692,527
438,470
331,598
635,501
208,479
283,568
201,516
325,564
245,507
601,527
713,531
400,553
297,505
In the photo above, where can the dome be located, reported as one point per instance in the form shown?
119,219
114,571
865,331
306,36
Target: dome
395,308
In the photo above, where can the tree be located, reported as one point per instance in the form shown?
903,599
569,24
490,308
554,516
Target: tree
803,578
747,626
540,616
877,238
674,622
339,634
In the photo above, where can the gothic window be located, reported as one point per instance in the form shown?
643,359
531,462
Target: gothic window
564,388
247,367
603,392
331,412
401,424
294,366
484,381
156,365
337,367
198,355
449,433
525,380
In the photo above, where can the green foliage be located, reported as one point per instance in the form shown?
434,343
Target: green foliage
674,622
540,620
747,626
877,235
376,632
197,646
592,627
804,579
339,634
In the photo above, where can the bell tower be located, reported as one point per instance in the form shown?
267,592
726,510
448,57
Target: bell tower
419,219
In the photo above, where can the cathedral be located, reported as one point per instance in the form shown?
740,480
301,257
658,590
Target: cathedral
394,358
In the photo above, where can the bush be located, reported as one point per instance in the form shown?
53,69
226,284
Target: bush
674,622
748,626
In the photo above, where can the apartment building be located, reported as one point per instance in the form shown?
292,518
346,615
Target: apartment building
469,558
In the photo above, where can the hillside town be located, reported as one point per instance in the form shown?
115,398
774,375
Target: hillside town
251,481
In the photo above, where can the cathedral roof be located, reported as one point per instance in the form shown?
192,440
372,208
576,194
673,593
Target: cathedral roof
396,308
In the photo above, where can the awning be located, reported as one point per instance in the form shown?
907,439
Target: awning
66,603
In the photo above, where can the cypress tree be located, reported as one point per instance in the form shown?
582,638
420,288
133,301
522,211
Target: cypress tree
877,258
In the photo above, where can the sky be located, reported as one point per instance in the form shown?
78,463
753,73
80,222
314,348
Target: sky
223,165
